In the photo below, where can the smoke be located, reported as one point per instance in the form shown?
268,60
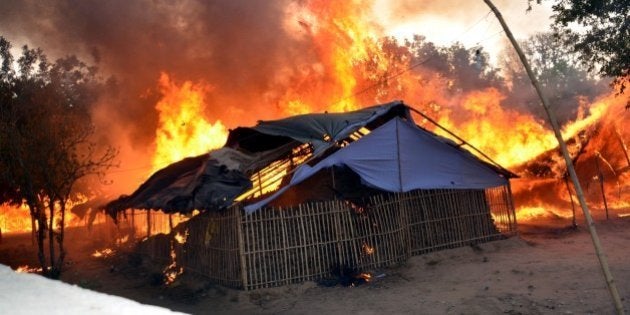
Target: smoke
235,46
256,55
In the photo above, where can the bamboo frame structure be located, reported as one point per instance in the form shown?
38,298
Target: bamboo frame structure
282,245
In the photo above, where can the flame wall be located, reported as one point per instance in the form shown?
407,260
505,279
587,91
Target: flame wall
186,71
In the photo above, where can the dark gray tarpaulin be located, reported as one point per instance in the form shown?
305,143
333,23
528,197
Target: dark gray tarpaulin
193,183
323,129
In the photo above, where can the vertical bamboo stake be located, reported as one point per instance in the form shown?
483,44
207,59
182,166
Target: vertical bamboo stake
149,223
241,246
285,248
623,145
510,208
610,282
566,182
600,178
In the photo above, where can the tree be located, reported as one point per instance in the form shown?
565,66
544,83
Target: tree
602,35
561,77
45,140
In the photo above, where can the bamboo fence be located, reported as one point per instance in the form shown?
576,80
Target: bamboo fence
281,245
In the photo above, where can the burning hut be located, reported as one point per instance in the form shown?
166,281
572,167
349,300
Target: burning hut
295,199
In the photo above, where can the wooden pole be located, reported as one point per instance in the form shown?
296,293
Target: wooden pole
623,145
600,178
148,223
566,182
603,261
133,224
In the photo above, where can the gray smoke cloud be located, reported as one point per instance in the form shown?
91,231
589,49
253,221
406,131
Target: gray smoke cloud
235,46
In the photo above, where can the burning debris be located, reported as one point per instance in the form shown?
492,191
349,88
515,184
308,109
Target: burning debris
104,253
172,271
345,276
28,269
599,156
367,249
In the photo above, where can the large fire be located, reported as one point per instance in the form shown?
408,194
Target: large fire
16,219
183,129
355,67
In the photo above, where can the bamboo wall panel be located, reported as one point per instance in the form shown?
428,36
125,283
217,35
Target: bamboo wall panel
282,245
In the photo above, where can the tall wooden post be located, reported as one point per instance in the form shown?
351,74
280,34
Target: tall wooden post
603,261
133,224
566,182
600,178
623,145
148,223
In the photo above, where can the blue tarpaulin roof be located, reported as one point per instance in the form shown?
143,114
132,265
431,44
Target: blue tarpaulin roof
399,157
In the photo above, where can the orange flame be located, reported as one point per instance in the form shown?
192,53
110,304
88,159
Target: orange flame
350,59
17,219
342,38
183,130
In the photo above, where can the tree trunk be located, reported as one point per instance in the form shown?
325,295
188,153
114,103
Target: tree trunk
33,229
41,235
60,236
51,239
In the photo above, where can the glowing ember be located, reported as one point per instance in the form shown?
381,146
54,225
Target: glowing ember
172,271
366,276
122,240
181,238
183,130
27,269
367,249
104,253
537,213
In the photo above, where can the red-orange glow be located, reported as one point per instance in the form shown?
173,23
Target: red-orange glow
103,253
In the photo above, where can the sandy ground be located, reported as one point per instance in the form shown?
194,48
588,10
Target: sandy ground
543,271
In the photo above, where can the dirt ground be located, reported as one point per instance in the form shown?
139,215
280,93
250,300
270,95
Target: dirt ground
543,271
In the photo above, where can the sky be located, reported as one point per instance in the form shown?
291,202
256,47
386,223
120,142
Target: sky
441,21
469,22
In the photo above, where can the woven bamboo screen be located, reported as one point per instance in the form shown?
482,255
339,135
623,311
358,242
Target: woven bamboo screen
305,242
277,246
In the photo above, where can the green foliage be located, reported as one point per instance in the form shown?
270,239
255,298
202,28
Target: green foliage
599,31
563,80
45,135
